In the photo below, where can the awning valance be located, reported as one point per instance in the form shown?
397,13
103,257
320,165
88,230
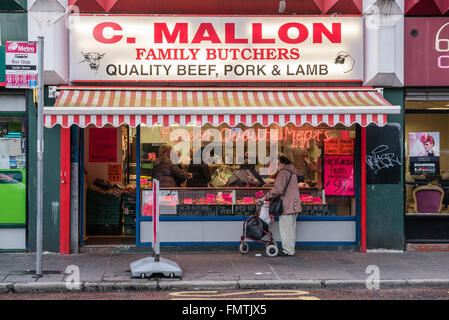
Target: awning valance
100,106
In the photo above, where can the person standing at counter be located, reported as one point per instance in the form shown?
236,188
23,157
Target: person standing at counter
291,202
201,176
166,172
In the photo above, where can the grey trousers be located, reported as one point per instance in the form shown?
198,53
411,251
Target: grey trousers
287,230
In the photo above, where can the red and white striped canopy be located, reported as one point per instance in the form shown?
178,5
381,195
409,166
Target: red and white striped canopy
100,106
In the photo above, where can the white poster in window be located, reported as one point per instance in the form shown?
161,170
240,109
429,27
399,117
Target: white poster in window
4,155
168,201
424,153
15,147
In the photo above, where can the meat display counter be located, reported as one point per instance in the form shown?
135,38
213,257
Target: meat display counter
227,202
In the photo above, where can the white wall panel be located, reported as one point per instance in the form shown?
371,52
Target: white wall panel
384,43
47,18
12,239
230,231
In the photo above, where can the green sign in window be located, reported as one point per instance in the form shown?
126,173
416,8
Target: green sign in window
13,196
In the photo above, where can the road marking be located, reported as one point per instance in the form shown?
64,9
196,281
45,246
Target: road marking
267,295
261,298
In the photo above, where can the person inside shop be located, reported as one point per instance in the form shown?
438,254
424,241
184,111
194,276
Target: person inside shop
317,164
246,175
168,174
291,202
201,176
299,161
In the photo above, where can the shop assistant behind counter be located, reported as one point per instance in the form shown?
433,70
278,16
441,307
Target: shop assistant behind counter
168,174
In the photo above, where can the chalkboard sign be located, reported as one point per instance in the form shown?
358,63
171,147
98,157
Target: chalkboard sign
383,154
244,209
318,210
194,210
202,210
224,210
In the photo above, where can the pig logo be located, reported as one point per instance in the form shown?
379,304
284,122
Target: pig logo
345,60
93,59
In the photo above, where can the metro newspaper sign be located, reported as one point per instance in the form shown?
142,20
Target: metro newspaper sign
213,49
21,64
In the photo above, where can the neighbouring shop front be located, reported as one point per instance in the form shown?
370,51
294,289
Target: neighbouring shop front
228,137
426,130
13,170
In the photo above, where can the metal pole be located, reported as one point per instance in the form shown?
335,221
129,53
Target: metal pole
40,155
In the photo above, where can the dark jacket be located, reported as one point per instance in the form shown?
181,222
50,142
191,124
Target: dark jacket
201,175
168,174
246,176
291,201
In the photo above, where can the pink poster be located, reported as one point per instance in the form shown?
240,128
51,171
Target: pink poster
339,175
103,145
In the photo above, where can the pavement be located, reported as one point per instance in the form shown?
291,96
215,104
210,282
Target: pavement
109,270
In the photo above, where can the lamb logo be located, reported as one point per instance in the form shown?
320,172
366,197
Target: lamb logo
345,60
93,59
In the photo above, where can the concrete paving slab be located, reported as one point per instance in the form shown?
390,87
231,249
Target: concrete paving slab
209,269
198,285
20,278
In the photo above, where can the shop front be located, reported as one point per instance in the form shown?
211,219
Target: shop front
13,171
426,123
123,144
223,140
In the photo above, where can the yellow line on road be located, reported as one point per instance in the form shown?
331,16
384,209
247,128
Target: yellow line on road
214,295
261,298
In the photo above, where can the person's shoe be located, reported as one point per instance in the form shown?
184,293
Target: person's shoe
283,254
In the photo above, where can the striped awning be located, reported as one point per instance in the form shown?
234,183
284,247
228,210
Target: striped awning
100,106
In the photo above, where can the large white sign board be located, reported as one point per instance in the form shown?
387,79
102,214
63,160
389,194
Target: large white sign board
213,49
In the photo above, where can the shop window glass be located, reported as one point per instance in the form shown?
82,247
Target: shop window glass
222,171
427,163
13,170
12,143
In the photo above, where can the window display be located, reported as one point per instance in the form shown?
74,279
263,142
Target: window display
12,143
427,166
13,170
223,171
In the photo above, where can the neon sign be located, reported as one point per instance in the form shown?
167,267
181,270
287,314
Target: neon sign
438,48
298,137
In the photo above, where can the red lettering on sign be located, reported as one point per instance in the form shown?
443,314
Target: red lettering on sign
98,32
302,36
200,35
230,34
319,29
161,31
257,34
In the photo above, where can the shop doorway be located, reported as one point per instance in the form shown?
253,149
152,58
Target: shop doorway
108,185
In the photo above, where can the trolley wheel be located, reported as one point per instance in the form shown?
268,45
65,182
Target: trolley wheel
244,247
272,250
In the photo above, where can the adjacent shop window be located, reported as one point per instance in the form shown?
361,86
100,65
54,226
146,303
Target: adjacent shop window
222,171
427,163
12,143
12,170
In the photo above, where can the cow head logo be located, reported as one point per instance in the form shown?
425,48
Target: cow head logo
92,59
345,60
